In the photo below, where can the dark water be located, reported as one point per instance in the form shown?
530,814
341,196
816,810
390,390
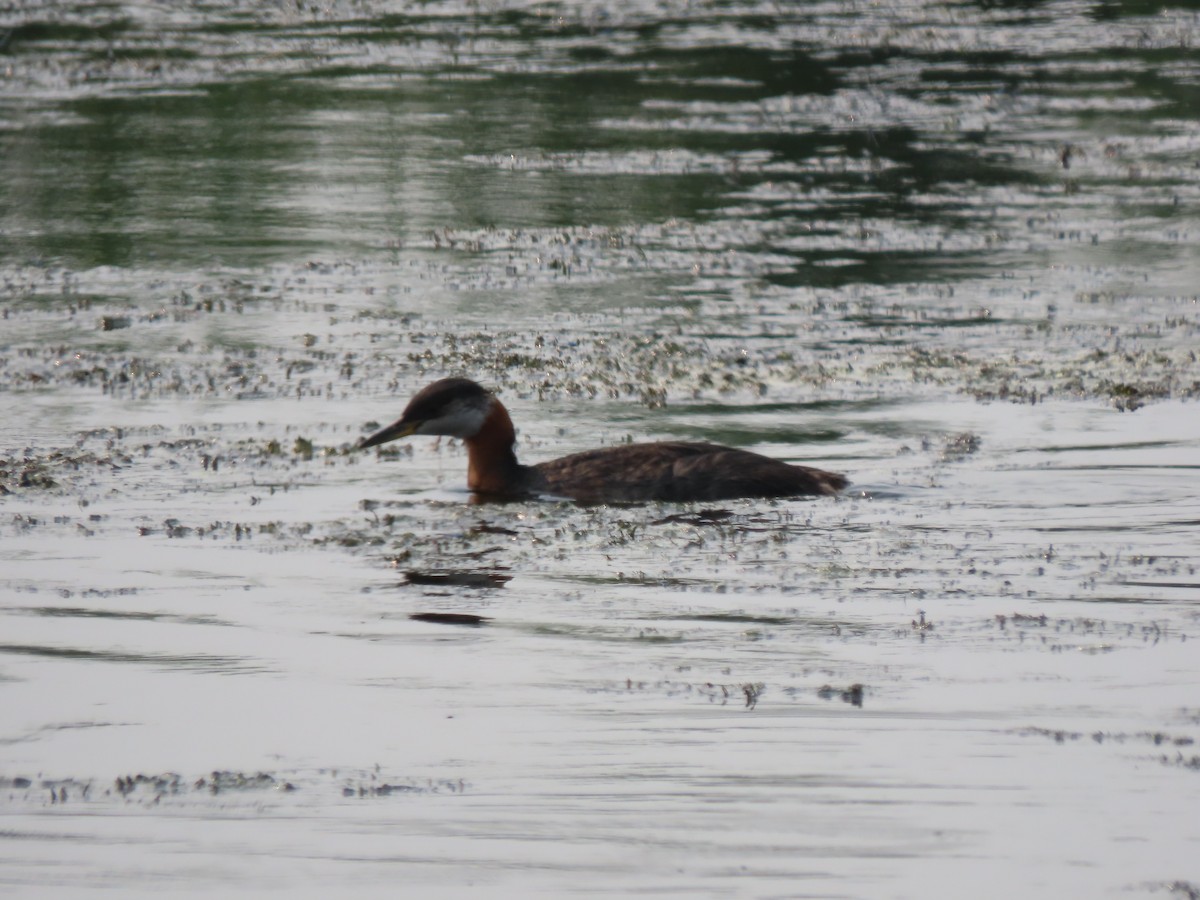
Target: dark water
948,249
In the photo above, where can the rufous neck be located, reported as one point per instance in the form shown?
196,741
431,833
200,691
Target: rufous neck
492,466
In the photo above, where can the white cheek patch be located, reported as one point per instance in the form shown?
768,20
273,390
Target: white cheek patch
461,420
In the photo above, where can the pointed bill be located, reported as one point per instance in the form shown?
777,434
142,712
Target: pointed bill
399,429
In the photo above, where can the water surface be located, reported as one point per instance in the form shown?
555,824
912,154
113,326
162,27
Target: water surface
947,249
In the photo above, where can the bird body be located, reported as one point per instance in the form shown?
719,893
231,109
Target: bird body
678,471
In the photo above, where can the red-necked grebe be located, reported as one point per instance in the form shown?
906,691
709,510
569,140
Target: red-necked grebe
669,470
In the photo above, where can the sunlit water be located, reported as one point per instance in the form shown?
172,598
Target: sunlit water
946,249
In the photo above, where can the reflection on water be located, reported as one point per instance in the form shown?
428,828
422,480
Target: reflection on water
161,659
946,249
811,146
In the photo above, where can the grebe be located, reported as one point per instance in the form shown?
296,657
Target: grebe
669,470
